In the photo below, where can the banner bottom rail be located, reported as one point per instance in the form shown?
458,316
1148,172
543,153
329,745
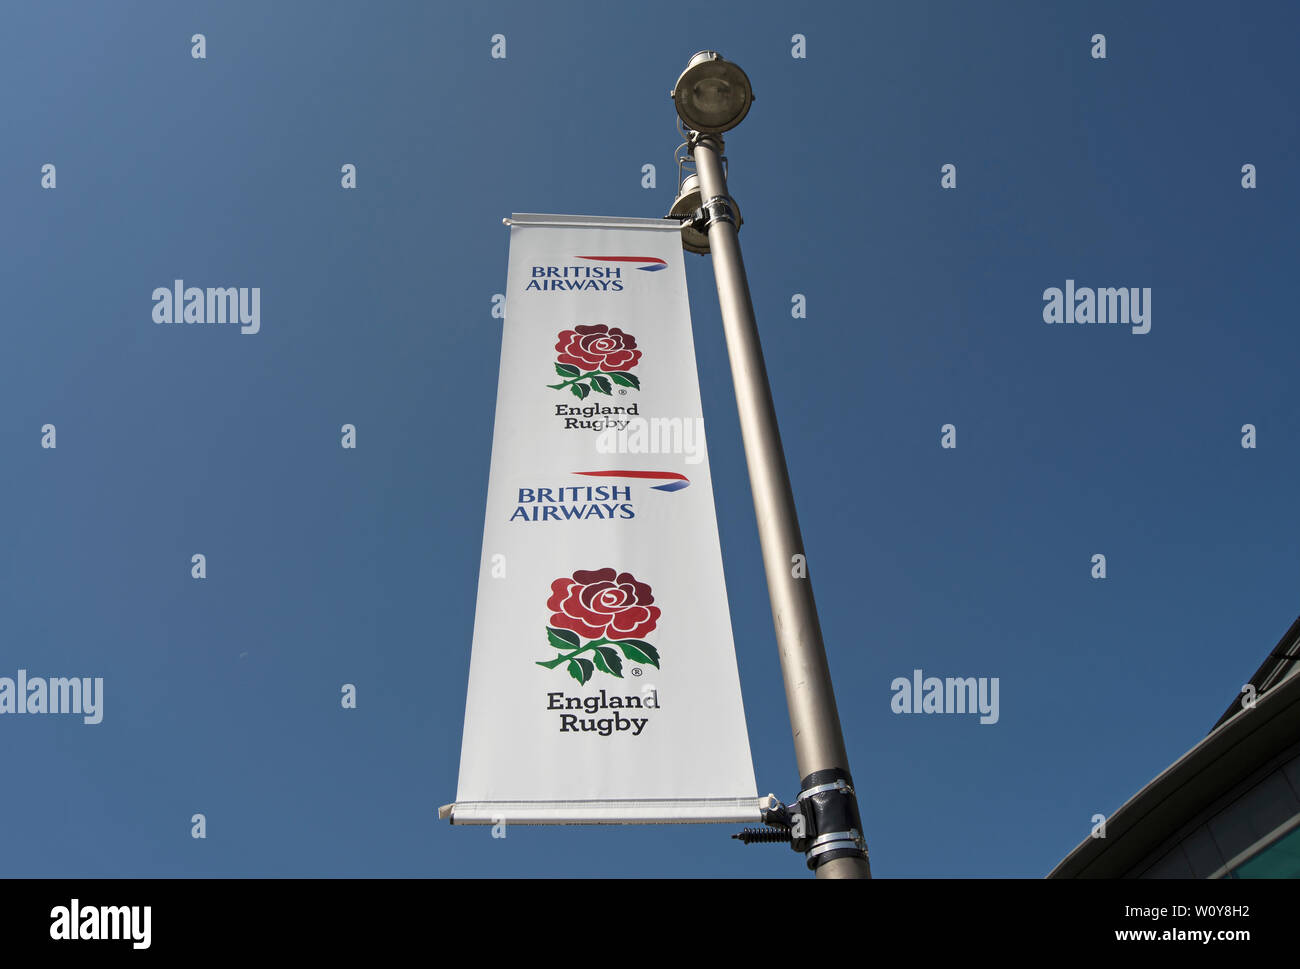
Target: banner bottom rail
731,810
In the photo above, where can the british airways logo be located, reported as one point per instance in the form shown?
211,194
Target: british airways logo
600,501
592,278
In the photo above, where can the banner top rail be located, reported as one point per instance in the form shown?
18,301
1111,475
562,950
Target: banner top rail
591,221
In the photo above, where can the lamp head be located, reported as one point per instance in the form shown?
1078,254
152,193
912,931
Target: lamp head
712,95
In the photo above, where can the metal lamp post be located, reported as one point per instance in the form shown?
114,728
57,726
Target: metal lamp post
713,96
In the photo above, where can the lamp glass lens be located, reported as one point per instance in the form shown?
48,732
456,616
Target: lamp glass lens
713,100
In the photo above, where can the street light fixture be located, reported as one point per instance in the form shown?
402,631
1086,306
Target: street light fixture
712,96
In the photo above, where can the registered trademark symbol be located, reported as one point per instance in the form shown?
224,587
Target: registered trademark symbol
636,671
622,392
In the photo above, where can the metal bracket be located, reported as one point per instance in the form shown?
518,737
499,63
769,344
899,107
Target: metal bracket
822,823
720,208
780,821
830,808
693,138
687,157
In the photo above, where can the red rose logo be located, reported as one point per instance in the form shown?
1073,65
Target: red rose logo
594,356
598,347
600,603
610,608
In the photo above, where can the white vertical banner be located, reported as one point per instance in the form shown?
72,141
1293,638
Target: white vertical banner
602,684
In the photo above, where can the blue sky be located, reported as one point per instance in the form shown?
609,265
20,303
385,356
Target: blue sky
924,307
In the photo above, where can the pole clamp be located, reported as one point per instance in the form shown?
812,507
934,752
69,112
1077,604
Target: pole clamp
695,138
823,821
829,810
720,208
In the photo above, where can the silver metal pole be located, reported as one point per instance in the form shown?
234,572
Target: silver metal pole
814,718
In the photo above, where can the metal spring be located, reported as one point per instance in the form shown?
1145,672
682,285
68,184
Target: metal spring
763,835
